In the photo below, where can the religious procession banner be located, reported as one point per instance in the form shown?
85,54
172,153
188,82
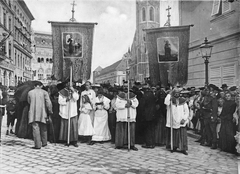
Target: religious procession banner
167,49
72,45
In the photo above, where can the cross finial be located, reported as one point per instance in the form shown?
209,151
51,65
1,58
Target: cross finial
168,24
73,19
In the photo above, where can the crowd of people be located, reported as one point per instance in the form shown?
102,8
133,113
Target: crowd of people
101,113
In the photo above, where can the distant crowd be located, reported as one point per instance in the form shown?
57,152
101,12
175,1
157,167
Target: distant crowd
101,113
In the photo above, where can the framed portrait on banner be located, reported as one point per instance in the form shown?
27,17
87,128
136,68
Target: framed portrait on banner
168,49
72,45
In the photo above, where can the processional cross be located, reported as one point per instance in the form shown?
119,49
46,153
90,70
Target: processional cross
168,24
73,19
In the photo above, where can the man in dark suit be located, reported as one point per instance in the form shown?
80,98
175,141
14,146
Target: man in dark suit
209,109
149,110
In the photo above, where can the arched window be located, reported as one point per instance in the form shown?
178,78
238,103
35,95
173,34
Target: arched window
51,61
151,14
39,60
47,60
143,14
40,74
42,59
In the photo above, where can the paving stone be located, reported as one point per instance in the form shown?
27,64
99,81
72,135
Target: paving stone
17,155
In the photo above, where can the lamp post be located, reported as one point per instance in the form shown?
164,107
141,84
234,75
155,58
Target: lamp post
206,51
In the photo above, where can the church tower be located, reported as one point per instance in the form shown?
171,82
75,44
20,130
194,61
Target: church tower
147,16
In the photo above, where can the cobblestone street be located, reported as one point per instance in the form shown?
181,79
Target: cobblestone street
17,157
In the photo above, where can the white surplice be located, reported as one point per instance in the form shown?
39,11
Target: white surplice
100,125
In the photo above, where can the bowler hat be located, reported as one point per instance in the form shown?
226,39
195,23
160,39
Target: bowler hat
224,85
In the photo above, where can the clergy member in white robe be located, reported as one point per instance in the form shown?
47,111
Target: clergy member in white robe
177,108
122,106
101,129
66,101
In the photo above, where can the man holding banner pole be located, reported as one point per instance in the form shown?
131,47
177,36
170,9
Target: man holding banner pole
177,118
68,111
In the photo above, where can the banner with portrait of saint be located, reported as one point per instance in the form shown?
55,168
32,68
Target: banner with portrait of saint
168,49
168,54
72,46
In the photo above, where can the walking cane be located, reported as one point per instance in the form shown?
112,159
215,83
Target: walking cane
69,108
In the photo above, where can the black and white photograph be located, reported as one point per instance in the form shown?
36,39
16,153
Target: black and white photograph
119,87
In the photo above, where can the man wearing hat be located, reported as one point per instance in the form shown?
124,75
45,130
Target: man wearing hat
177,109
139,119
224,87
209,108
148,108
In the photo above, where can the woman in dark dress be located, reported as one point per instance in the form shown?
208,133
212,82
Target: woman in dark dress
56,119
226,136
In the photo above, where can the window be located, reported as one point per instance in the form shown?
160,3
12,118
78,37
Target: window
143,14
220,7
42,60
4,19
151,14
10,23
40,74
15,58
18,61
51,61
47,60
10,50
223,74
0,14
39,60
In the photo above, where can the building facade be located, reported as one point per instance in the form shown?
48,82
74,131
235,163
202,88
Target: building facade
219,21
42,57
7,66
22,41
115,73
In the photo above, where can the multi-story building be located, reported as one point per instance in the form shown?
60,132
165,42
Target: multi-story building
96,72
115,73
218,20
42,56
7,66
22,41
147,16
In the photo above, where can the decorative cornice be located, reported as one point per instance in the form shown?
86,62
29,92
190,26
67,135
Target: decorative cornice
217,40
17,45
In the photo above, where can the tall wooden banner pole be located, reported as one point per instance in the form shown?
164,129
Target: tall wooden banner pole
69,106
171,125
128,114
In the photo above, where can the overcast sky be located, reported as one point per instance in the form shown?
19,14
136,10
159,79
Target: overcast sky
116,23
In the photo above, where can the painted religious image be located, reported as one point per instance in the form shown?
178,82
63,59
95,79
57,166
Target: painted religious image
72,44
168,49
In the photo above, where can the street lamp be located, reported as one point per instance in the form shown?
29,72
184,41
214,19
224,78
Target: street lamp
206,50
